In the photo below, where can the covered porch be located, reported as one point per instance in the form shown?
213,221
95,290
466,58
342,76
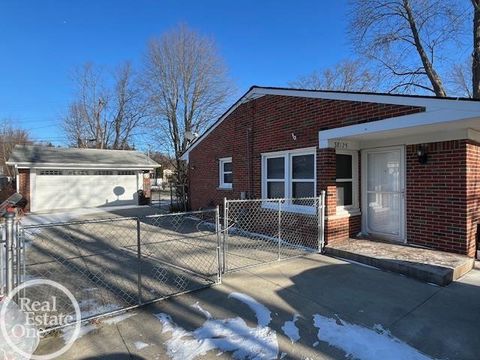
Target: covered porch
413,182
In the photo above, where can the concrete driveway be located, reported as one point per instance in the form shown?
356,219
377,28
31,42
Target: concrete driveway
60,216
313,307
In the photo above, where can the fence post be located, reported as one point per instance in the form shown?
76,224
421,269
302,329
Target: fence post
279,227
217,231
321,221
139,267
9,243
18,255
225,235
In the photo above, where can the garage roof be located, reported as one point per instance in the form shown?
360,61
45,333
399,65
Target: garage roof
31,156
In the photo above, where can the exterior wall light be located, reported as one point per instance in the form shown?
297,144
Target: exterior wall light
422,154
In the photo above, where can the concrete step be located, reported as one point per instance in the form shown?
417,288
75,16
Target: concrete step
431,266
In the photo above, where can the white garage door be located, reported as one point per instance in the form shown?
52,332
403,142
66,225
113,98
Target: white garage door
68,189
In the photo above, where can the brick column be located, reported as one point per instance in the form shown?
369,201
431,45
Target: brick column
23,179
326,176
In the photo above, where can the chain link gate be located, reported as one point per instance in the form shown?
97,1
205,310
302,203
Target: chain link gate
114,264
259,231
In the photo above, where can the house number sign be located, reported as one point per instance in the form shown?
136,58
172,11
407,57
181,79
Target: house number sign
340,145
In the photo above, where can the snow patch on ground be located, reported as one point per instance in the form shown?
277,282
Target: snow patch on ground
291,330
227,335
198,307
361,343
261,312
139,345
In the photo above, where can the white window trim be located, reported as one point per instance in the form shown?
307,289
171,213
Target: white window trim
287,155
353,209
221,173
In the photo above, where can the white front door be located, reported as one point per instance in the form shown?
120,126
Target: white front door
383,173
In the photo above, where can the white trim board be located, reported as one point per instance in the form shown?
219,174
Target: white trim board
408,125
82,166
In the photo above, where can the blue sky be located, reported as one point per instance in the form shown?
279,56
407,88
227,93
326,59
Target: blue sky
262,42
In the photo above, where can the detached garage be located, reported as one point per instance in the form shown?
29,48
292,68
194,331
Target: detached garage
62,178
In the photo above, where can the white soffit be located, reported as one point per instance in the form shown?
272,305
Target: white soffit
446,124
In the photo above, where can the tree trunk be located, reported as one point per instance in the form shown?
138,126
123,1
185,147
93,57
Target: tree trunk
476,50
427,65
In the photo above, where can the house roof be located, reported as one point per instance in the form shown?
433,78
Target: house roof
430,103
29,156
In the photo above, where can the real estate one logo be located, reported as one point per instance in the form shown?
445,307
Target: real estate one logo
31,308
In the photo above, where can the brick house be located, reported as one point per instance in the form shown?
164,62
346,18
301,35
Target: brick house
396,167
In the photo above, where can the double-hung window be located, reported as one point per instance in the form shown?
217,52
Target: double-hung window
225,173
275,177
290,175
346,180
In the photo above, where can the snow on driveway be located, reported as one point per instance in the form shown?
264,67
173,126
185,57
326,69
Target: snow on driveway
234,336
226,335
359,342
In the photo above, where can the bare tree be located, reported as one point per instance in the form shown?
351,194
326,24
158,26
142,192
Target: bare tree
476,50
408,38
347,75
187,85
461,79
9,137
104,116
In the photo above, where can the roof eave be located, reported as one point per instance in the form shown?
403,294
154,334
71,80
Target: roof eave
81,166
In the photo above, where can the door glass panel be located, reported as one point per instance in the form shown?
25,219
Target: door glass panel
384,213
276,168
303,167
275,189
384,171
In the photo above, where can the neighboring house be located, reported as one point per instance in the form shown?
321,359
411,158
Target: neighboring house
59,178
162,181
397,167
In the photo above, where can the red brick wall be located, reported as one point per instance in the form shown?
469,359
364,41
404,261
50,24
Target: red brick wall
436,196
473,195
24,185
266,125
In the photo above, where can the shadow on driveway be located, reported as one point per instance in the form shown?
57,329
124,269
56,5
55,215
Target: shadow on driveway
442,323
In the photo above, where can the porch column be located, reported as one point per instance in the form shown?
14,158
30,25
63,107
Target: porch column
326,177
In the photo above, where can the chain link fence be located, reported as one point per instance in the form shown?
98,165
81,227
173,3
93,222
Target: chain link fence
259,231
119,263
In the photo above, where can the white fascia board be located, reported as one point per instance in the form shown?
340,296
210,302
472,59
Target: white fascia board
396,123
83,166
185,156
250,95
428,103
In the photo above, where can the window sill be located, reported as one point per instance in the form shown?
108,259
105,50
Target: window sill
345,213
224,188
299,209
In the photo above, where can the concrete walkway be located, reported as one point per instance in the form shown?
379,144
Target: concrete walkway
438,322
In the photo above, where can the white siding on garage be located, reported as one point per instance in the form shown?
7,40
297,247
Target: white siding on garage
68,189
